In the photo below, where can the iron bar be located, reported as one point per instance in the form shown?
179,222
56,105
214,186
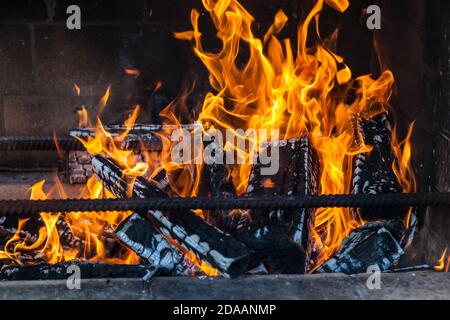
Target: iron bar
24,207
38,143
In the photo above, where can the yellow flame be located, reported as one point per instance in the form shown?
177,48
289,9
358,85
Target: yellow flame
90,227
443,263
297,90
104,99
133,72
77,89
302,92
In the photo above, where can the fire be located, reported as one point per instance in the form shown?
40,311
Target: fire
89,227
443,262
133,72
104,99
402,167
302,91
104,142
282,85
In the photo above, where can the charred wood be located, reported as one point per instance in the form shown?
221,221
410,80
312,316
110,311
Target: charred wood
282,238
70,237
139,137
375,243
140,236
373,173
112,178
217,182
191,232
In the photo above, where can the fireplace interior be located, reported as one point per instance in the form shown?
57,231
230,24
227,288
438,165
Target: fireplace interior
89,114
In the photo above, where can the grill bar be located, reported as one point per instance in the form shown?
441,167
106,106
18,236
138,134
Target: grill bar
38,143
30,207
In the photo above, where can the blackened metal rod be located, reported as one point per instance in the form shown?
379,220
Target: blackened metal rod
38,143
29,207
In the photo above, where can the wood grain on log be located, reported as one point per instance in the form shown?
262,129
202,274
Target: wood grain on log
208,243
372,171
282,238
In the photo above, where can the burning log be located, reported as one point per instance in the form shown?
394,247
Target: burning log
373,173
139,137
375,243
191,232
140,236
70,237
281,238
217,183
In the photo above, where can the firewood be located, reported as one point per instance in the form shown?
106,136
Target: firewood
216,182
139,137
191,232
67,239
282,238
373,173
141,236
375,243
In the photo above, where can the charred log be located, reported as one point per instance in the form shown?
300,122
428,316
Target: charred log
216,182
282,238
191,232
114,180
373,173
375,243
140,236
139,138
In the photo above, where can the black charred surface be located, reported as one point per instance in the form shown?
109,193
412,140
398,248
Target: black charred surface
139,137
373,173
113,179
375,243
61,271
281,238
208,243
140,236
217,182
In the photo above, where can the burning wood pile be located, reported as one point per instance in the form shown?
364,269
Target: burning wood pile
332,137
234,242
267,241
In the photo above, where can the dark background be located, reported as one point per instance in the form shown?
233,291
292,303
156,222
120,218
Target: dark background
40,60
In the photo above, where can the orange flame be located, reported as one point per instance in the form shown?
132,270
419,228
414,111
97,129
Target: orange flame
443,262
77,89
298,93
133,72
89,227
402,164
104,99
